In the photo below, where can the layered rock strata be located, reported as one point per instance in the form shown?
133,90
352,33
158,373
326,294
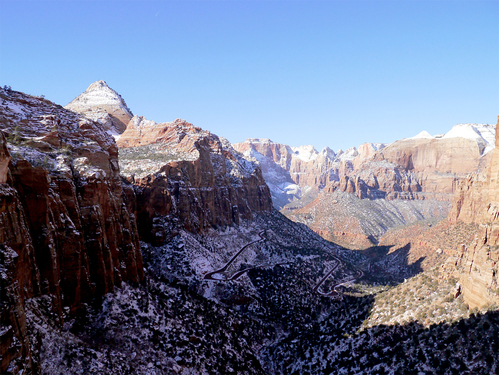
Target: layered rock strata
181,171
293,173
65,230
102,104
68,220
477,265
422,168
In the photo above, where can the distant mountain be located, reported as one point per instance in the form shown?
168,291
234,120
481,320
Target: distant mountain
417,175
299,173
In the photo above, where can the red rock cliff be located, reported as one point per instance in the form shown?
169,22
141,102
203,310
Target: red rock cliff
65,230
184,174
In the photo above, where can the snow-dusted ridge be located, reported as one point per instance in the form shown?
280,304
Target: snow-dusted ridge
482,134
99,94
102,104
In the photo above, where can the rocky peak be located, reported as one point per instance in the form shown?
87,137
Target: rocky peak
424,134
102,104
349,154
305,153
328,153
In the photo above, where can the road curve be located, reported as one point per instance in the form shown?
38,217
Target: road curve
218,275
333,293
210,276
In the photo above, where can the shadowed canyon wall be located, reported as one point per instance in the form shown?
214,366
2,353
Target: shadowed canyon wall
70,224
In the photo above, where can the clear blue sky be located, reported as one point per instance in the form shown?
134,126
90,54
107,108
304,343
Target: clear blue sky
326,73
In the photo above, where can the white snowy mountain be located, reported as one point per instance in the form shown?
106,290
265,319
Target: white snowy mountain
101,103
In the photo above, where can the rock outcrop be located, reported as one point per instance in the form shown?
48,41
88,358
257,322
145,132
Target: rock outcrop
70,223
421,167
102,104
181,171
65,230
477,265
294,173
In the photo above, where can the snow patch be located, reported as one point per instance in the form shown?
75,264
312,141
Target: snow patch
483,134
423,135
306,153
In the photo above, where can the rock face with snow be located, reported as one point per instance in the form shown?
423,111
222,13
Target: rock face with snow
275,162
179,170
65,231
477,266
293,173
423,167
216,298
102,104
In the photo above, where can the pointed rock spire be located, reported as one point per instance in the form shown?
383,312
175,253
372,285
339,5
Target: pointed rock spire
101,103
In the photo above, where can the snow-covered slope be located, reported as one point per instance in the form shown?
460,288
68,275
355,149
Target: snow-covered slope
102,104
424,135
482,134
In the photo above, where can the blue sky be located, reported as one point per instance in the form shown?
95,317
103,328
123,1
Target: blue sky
326,73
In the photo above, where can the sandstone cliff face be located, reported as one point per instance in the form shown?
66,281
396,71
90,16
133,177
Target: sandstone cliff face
293,173
275,163
102,104
64,227
185,174
477,265
423,168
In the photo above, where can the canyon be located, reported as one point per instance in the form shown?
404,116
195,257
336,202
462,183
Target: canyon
387,185
61,185
114,229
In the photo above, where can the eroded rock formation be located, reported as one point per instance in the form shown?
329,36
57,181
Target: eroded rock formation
181,171
65,230
68,220
477,265
422,168
293,173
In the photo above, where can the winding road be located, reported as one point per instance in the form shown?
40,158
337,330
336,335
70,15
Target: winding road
219,275
333,293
